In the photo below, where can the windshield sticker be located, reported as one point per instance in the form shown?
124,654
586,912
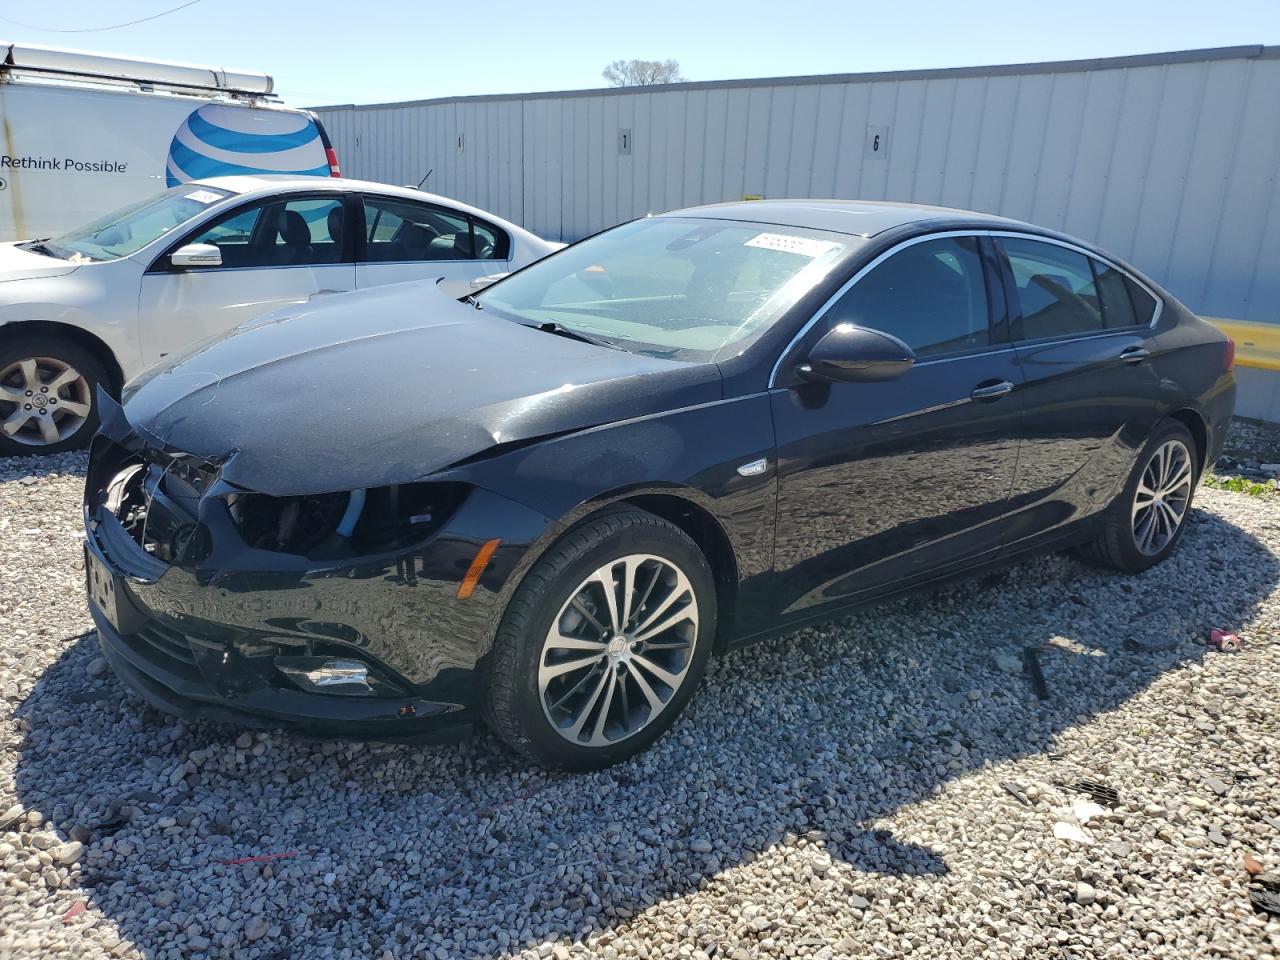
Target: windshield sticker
203,196
800,246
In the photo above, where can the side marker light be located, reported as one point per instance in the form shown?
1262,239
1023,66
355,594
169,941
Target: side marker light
482,558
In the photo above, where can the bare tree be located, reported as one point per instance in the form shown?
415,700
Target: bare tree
642,73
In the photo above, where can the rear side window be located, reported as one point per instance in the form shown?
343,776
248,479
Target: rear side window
1056,292
1144,304
400,231
932,296
1117,308
488,241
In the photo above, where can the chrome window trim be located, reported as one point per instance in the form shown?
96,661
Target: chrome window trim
1003,348
195,271
1079,338
403,263
949,234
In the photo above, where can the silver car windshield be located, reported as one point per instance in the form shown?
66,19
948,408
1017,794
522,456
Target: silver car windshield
684,288
127,231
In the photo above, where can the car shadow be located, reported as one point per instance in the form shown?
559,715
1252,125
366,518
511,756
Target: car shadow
816,737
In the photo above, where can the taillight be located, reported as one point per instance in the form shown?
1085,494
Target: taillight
331,155
1231,354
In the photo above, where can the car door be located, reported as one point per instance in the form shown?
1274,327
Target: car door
889,483
274,252
413,240
1082,331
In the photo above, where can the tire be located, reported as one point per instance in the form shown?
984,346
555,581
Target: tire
539,699
30,363
1121,545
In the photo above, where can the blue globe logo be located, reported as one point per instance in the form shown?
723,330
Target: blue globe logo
218,140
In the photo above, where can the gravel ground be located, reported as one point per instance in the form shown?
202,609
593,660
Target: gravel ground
1253,439
884,786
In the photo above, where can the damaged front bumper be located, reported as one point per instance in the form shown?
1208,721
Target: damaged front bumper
377,644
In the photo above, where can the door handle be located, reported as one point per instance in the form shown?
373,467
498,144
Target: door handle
1134,354
991,391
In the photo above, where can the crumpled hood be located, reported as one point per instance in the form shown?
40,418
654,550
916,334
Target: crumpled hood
19,264
387,386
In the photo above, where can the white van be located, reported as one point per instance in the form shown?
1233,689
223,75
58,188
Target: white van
88,133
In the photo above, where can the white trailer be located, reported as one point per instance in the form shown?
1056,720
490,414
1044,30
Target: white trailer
87,133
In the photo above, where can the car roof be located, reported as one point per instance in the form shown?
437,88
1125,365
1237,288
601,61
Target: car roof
250,185
862,218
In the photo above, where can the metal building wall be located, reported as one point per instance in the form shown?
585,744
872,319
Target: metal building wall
1168,160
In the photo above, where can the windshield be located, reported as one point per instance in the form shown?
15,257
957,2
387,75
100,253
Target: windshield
684,288
127,231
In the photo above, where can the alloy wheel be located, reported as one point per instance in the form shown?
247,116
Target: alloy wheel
1160,502
43,401
618,651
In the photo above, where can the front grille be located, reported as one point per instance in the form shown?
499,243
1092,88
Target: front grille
169,643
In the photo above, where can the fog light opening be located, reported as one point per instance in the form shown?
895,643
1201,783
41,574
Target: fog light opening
327,675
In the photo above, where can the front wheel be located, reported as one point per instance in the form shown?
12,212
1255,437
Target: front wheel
603,643
47,403
1147,520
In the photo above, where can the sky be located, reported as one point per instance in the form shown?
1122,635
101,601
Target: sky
326,52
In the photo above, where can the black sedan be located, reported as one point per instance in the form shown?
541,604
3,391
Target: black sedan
393,515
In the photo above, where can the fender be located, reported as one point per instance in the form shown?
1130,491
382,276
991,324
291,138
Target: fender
665,455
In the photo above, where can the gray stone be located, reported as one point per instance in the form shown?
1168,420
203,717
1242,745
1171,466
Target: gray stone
1008,663
69,852
845,802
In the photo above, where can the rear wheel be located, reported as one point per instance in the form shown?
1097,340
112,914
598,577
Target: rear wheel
603,643
1147,520
47,387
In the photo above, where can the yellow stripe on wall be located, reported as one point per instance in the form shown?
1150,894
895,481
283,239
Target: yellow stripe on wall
1257,344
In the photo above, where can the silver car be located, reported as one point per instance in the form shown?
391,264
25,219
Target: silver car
97,305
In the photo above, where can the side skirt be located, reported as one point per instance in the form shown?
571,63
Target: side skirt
1079,535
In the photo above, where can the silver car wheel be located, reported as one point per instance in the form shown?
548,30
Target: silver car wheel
43,401
1160,502
618,650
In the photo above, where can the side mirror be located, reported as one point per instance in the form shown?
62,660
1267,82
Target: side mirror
853,354
196,255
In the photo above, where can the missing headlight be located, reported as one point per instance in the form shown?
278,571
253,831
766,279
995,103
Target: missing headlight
124,498
333,525
286,524
407,513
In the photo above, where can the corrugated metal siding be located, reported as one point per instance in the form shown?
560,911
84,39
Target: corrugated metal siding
1169,161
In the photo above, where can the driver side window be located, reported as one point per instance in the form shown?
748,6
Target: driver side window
305,231
232,236
931,295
